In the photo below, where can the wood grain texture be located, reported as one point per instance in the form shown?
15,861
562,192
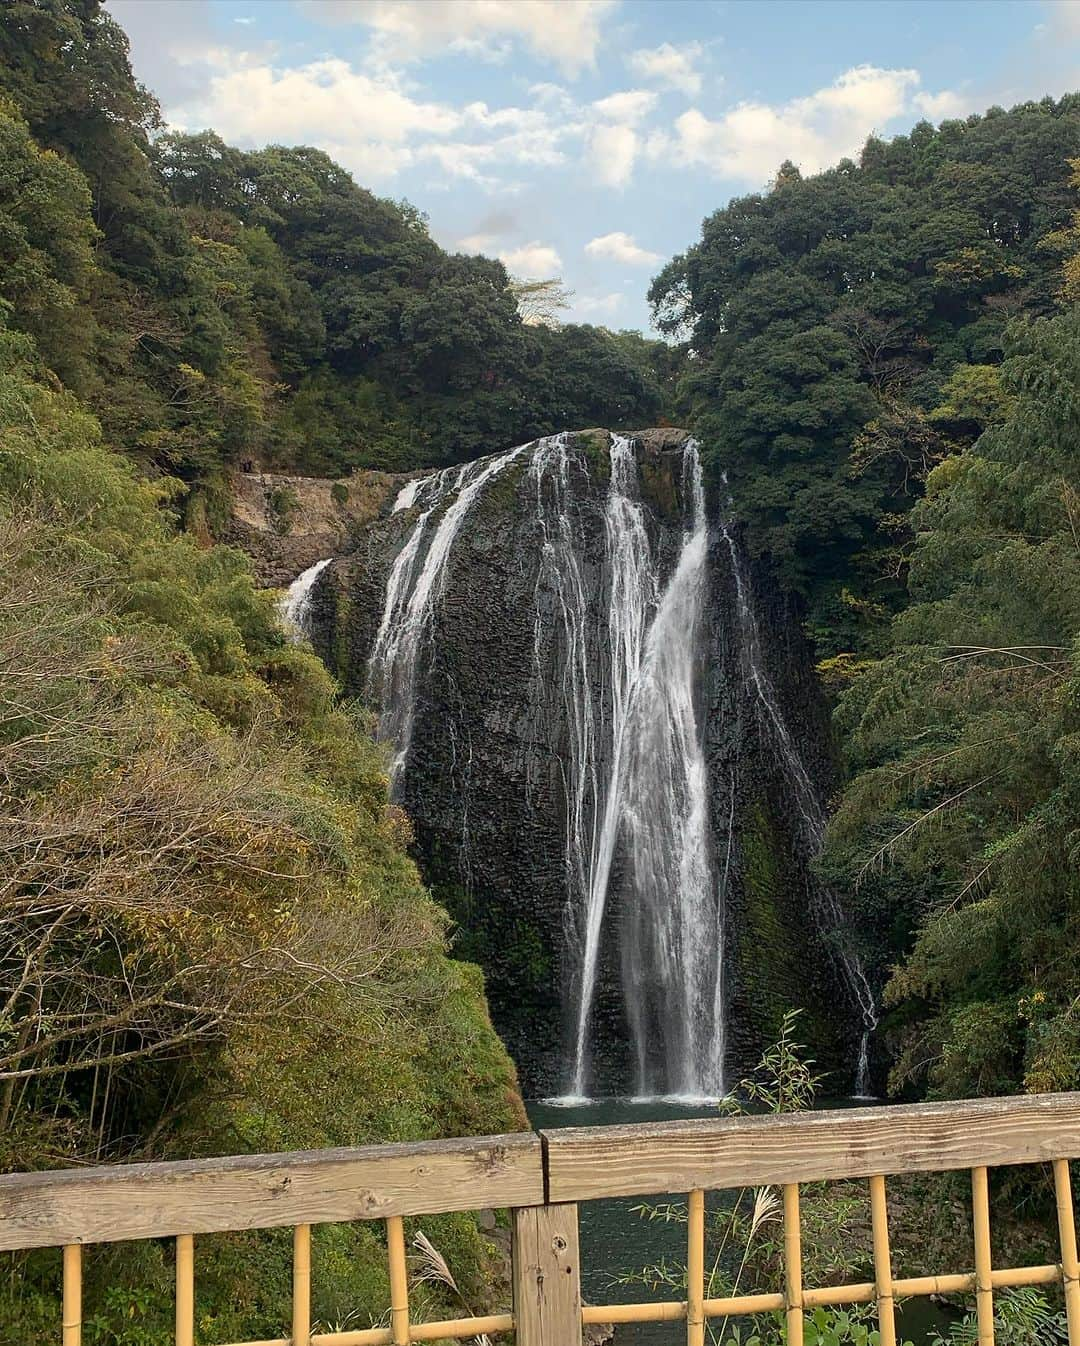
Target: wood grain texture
203,1196
585,1163
547,1276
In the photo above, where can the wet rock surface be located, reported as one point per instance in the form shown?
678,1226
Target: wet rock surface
486,782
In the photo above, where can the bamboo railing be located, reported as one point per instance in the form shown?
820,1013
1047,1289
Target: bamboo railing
541,1178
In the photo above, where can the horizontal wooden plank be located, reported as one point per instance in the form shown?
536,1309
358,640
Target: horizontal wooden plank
203,1196
584,1163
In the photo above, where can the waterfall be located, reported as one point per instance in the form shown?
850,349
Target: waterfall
811,812
632,598
559,575
656,807
634,775
414,585
295,606
673,944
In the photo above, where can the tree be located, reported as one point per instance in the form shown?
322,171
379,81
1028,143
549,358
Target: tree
832,317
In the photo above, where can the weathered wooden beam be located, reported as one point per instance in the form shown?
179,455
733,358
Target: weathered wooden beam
547,1276
585,1163
204,1196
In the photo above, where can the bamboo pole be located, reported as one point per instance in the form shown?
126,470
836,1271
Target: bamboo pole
185,1290
72,1306
301,1292
695,1271
1070,1264
793,1288
399,1281
984,1291
879,1214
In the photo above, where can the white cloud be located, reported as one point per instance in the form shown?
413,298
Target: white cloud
612,143
566,32
629,107
1064,16
752,139
621,247
473,243
940,106
368,120
671,67
364,121
533,259
613,151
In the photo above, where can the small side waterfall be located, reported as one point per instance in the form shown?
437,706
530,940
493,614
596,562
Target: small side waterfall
295,606
811,811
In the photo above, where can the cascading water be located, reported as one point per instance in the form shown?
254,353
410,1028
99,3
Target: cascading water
634,777
415,583
619,602
295,607
811,812
673,938
632,599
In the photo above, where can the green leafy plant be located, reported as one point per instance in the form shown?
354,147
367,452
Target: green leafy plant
1022,1317
748,1234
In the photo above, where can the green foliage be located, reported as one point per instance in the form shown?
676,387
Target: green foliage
748,1233
959,825
847,328
207,911
283,505
260,306
1021,1318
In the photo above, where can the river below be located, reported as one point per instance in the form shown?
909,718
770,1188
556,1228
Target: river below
617,1241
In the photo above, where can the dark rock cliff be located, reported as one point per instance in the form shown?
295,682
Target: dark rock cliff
485,785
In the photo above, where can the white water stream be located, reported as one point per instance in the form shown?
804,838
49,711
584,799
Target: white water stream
628,657
811,811
295,607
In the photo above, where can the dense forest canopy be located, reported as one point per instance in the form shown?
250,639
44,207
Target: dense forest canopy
214,305
847,328
886,360
212,938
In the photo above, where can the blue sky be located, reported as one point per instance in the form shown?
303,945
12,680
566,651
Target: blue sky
588,138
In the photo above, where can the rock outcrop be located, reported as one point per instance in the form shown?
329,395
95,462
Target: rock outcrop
286,523
486,779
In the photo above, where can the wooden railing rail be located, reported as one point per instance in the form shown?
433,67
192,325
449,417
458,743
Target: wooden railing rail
541,1178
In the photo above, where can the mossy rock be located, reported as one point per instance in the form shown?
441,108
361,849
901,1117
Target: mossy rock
596,447
658,489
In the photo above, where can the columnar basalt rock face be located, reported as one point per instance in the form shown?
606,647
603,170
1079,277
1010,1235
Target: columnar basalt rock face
486,783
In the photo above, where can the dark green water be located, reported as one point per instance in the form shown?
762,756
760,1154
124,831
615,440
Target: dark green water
616,1241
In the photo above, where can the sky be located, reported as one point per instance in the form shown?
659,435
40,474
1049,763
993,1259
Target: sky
587,139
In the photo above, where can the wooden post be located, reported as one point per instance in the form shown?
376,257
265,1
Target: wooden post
301,1286
695,1271
883,1281
547,1276
399,1281
72,1306
185,1290
1070,1264
984,1291
793,1265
